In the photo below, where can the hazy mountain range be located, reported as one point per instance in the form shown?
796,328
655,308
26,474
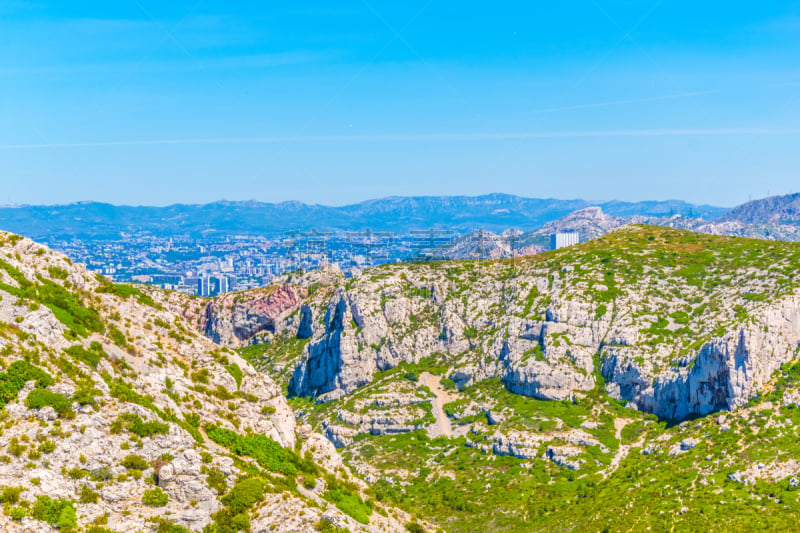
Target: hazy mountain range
493,212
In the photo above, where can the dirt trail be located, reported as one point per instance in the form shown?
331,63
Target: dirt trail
442,424
623,450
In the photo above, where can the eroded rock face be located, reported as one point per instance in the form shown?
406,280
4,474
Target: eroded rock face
359,338
726,372
236,319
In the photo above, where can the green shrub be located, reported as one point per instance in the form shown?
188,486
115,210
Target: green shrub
10,495
91,357
116,336
233,517
267,452
58,513
85,395
226,522
155,497
27,372
631,432
448,384
368,451
216,480
58,273
124,291
135,462
39,398
350,504
16,448
134,424
244,495
88,495
167,526
16,513
680,317
234,370
193,419
201,376
13,379
103,473
325,526
78,473
345,496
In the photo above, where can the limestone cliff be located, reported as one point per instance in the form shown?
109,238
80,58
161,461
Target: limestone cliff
677,324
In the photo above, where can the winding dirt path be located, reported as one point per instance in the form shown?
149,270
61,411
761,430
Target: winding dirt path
442,424
622,451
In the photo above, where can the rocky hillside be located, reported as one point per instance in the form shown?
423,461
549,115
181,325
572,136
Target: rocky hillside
118,416
680,328
678,324
572,390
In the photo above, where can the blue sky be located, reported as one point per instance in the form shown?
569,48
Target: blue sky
144,102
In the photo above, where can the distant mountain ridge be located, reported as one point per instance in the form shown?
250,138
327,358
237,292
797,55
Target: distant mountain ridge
772,218
772,210
492,212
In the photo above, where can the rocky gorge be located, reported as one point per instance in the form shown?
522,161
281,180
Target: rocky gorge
665,335
644,380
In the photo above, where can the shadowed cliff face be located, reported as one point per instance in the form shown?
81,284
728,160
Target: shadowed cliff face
552,359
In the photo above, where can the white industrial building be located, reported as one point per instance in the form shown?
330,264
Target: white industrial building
561,240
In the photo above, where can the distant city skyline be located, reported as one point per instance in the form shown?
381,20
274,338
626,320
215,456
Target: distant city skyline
148,103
